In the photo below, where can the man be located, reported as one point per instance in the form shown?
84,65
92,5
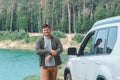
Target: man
48,48
96,48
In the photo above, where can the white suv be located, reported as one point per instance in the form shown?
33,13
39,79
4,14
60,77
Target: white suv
99,54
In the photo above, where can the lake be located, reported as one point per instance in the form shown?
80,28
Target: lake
18,64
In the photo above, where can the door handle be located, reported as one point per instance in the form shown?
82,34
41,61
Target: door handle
84,62
98,62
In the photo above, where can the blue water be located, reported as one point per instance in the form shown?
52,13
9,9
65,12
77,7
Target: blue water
18,64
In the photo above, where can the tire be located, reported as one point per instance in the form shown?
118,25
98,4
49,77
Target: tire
68,76
100,79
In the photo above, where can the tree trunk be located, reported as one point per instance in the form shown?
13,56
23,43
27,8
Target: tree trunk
62,19
43,6
83,14
31,18
31,21
92,6
74,19
69,16
52,27
11,16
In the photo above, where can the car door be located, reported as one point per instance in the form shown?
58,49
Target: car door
80,63
94,60
78,66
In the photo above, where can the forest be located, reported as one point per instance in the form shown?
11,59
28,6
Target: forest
68,16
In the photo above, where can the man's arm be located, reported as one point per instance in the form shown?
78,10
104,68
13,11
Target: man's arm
40,50
58,50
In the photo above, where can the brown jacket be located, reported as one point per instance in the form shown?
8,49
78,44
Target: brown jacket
56,45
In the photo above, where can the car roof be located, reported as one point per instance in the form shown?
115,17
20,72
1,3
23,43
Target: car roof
110,20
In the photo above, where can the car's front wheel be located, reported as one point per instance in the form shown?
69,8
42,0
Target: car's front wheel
68,76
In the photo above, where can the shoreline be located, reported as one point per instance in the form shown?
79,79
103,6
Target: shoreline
21,44
8,44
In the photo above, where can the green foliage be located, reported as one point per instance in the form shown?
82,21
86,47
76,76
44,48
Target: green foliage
4,35
64,56
8,35
117,10
58,34
21,21
78,24
29,15
33,38
100,13
27,39
19,35
78,38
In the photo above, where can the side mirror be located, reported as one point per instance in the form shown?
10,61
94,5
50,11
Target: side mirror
72,51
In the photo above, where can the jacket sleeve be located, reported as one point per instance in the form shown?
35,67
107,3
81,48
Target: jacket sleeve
40,48
59,47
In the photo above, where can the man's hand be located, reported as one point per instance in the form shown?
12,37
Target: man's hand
47,58
53,52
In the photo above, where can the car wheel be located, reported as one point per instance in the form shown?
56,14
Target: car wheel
68,76
100,79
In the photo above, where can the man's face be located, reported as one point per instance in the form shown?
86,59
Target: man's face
46,31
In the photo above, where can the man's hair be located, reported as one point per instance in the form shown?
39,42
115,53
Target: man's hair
45,25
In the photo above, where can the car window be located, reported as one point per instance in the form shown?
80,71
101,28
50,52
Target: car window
87,43
87,49
100,41
112,37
